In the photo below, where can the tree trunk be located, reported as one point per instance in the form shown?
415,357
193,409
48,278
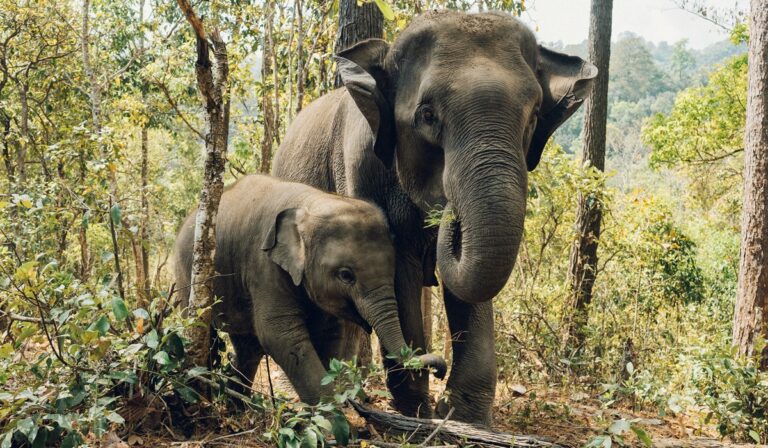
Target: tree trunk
213,85
750,320
21,153
9,168
583,260
356,24
267,104
142,274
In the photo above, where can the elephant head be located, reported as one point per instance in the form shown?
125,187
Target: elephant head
344,257
461,106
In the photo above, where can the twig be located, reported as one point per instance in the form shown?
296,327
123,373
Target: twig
175,107
271,389
439,427
224,389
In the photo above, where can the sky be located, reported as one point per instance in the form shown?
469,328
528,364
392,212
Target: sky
655,20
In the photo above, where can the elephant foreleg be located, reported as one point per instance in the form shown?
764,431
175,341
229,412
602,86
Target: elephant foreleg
248,354
410,390
287,340
472,385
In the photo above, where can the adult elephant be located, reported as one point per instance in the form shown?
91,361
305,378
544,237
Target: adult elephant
451,116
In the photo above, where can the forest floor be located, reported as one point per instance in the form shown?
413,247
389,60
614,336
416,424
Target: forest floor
566,418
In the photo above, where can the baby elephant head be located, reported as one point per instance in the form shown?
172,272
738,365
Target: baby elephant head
341,252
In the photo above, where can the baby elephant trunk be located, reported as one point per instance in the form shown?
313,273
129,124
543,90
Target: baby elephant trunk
379,309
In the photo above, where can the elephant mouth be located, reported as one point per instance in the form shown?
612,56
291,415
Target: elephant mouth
351,314
454,231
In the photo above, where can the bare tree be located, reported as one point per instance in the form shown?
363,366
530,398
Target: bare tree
750,320
213,85
583,261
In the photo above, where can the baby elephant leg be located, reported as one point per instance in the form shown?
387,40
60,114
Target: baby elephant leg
248,354
288,342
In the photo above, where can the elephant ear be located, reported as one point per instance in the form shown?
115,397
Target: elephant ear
566,82
284,244
361,69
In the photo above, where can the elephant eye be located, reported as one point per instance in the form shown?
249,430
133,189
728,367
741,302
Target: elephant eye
346,275
428,114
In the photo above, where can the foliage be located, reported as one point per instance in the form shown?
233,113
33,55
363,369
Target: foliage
79,356
703,134
617,432
634,74
735,394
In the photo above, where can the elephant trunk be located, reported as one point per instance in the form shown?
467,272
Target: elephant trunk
483,224
379,309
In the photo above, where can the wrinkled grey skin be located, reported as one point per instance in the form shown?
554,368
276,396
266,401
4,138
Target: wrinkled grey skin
295,265
453,114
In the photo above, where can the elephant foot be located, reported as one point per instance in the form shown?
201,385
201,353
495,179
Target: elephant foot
415,408
466,407
410,394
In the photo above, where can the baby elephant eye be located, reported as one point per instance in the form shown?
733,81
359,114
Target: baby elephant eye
346,275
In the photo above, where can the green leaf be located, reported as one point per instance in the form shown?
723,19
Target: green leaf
600,442
116,214
7,438
174,346
196,371
114,417
162,358
619,427
309,439
27,427
385,9
152,339
188,394
322,422
119,308
141,313
327,379
642,436
341,430
41,439
630,368
755,436
101,325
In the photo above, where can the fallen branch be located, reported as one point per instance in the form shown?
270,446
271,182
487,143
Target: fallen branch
448,431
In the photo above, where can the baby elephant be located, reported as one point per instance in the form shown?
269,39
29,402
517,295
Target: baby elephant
294,265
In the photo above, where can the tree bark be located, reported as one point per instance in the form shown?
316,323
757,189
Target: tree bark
356,24
267,104
446,430
142,277
213,85
750,321
21,153
583,260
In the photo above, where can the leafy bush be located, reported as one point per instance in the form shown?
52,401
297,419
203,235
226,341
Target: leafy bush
735,393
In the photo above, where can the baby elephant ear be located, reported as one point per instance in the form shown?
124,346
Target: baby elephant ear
284,244
361,69
566,82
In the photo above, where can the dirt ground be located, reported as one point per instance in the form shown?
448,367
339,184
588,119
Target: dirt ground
570,419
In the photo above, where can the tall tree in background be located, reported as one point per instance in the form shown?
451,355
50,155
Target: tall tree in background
583,262
356,24
750,321
269,102
213,86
